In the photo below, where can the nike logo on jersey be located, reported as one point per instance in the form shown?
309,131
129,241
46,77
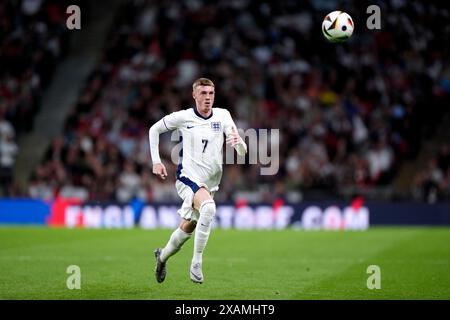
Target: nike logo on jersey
189,127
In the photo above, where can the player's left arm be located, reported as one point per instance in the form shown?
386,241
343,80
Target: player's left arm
233,137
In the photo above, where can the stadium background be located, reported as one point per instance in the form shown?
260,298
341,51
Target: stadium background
363,124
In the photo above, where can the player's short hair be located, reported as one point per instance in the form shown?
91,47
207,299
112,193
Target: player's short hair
202,82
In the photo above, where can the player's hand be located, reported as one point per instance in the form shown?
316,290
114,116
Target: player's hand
160,170
234,138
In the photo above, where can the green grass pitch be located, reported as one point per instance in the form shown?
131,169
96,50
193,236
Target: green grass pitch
288,264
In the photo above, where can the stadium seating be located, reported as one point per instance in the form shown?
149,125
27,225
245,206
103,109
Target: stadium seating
350,115
33,38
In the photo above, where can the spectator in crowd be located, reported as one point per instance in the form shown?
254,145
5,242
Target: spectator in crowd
432,183
8,152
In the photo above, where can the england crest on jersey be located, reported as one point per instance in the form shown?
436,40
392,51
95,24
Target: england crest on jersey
215,126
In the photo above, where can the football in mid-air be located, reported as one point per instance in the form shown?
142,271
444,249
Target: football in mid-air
337,26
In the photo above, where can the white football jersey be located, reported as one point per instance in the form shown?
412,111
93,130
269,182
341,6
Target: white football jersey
202,141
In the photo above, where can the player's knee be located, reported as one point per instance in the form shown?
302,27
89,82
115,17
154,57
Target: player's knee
208,209
188,226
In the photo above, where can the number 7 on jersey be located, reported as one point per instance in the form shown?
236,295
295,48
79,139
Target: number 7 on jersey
205,142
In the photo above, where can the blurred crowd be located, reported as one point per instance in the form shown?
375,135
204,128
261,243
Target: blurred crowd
432,183
348,114
33,39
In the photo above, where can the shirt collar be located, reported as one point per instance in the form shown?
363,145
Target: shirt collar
199,115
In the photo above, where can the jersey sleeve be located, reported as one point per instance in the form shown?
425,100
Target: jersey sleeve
229,124
168,123
174,120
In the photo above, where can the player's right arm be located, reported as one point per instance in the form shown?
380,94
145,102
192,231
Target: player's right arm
168,123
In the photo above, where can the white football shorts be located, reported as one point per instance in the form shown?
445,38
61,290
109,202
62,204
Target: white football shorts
186,193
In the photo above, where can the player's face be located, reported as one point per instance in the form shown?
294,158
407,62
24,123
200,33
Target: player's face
204,99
